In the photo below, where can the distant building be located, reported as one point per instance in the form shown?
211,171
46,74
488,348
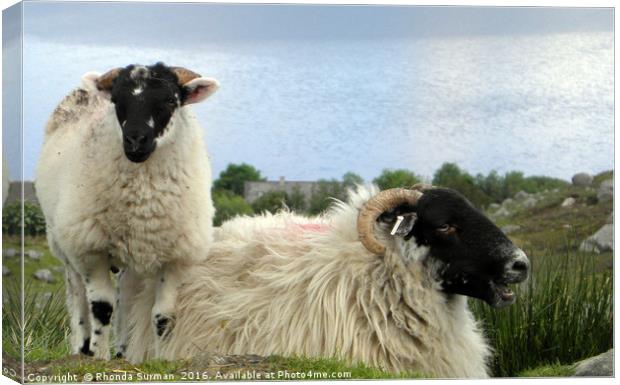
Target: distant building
15,192
254,190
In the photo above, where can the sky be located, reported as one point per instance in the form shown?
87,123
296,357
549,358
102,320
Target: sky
156,26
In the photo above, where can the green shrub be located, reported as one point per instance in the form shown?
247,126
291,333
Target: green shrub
323,195
396,178
228,205
450,175
234,177
482,190
296,200
271,201
350,179
34,221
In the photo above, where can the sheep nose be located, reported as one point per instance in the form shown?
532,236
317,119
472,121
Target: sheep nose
134,142
518,267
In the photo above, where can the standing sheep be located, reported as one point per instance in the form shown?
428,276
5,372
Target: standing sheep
290,285
124,180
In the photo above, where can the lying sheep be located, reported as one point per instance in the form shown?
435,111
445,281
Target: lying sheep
343,286
124,179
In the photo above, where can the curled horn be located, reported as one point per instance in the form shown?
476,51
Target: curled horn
184,74
380,203
105,81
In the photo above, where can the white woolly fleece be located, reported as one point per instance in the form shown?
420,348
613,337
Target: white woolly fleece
96,200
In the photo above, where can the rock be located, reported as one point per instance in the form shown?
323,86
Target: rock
34,255
529,202
502,212
44,275
46,296
508,202
5,271
597,366
9,253
568,202
582,179
521,195
508,229
494,206
606,191
602,240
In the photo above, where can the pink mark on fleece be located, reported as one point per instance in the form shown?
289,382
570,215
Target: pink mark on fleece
296,230
313,227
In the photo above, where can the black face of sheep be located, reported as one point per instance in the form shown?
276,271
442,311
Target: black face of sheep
145,99
479,260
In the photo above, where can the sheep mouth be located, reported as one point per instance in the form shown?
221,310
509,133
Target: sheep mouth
494,292
138,157
502,295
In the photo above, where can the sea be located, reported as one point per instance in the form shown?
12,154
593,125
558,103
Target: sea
316,109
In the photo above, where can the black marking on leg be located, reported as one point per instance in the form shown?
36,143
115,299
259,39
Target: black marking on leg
98,332
86,348
163,325
102,311
114,269
81,322
121,351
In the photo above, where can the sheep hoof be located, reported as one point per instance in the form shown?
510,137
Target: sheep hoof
120,351
163,325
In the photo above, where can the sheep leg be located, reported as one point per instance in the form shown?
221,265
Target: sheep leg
95,270
163,313
77,307
127,288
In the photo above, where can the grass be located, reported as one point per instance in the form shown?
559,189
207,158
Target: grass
46,261
44,322
274,368
330,365
554,370
564,312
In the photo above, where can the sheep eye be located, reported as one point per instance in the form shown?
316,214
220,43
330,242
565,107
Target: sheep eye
171,103
446,229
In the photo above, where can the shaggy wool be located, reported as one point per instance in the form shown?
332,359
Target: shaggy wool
288,285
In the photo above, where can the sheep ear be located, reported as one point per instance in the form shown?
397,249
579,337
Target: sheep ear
199,89
404,224
89,81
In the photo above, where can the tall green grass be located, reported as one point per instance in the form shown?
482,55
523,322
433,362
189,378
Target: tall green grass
563,314
44,327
